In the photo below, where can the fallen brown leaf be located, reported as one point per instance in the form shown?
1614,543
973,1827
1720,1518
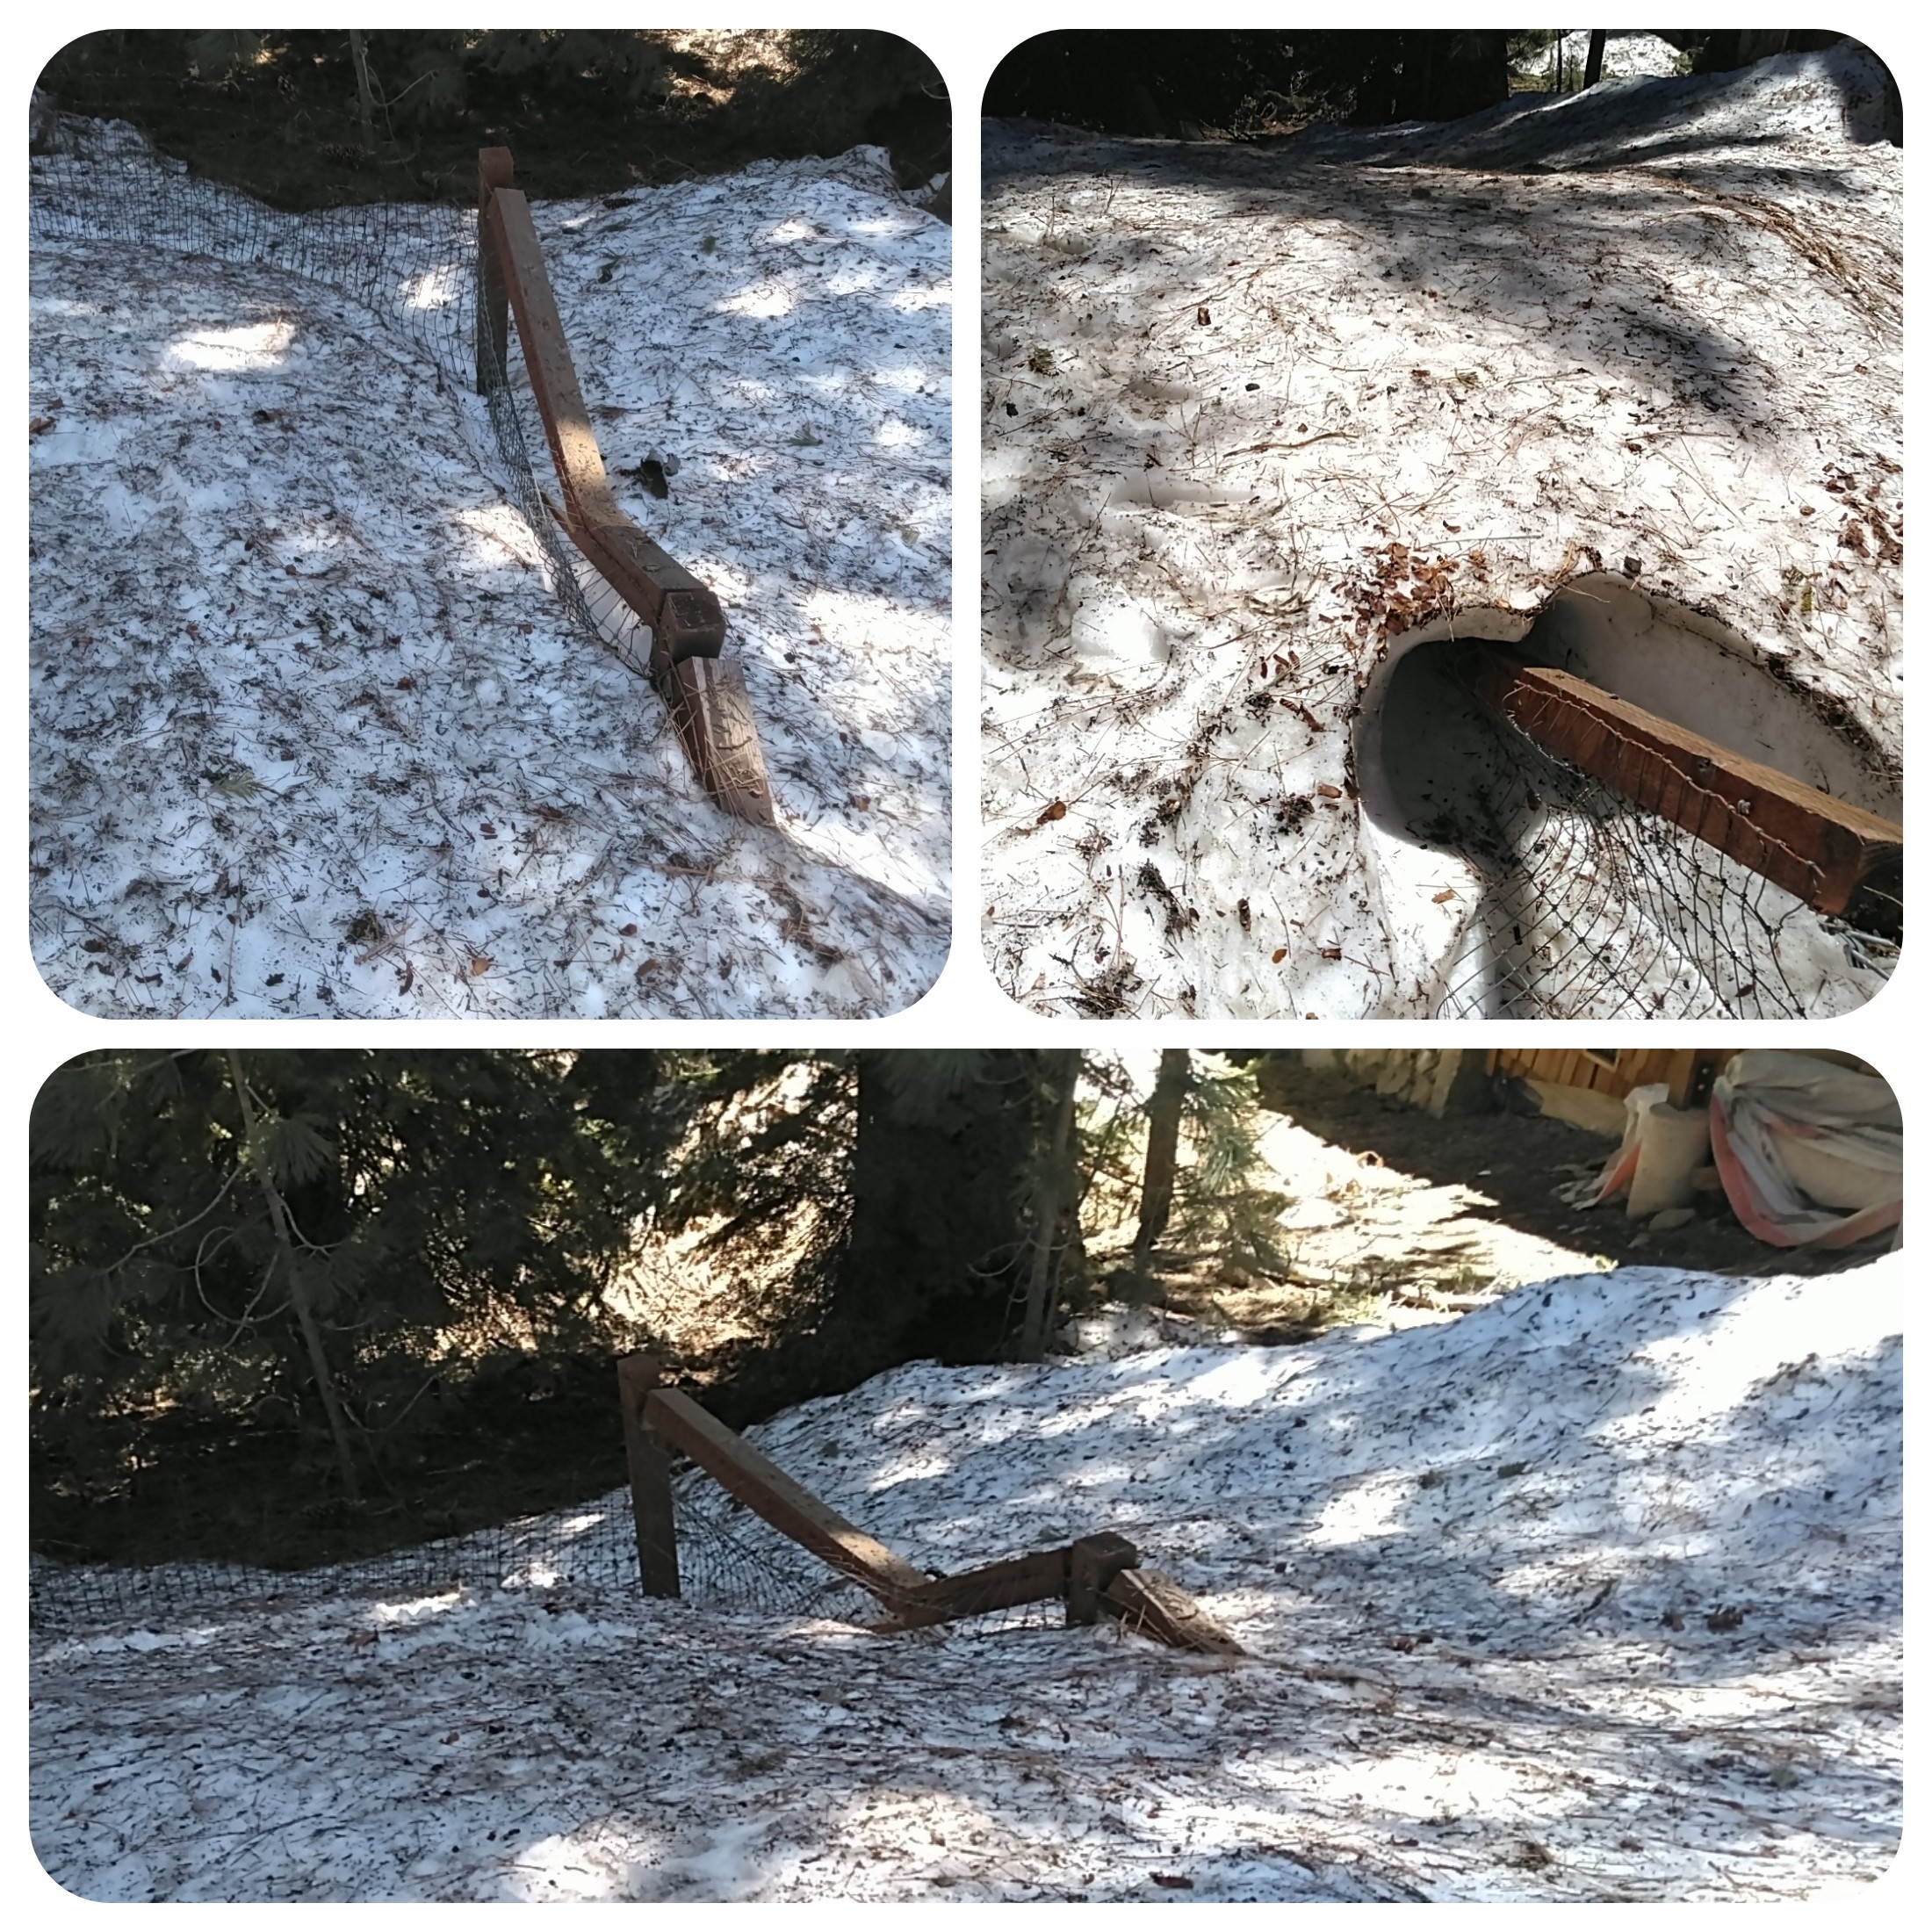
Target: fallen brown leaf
1056,809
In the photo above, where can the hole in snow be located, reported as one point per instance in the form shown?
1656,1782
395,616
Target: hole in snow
1569,899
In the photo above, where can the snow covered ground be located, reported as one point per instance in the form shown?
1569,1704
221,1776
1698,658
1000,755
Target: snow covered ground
1256,419
311,736
1633,56
1594,1593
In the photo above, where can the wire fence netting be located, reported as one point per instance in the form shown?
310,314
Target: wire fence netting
411,267
1597,908
729,1561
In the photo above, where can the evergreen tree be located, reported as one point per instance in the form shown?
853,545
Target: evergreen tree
920,1176
315,1250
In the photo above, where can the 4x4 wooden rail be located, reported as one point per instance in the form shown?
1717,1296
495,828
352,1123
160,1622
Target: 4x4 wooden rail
1837,857
706,698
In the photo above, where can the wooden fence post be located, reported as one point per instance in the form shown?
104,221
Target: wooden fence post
650,1461
494,170
1093,1562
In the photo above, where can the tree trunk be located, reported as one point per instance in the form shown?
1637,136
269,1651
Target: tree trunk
298,1282
1164,1110
1448,72
1054,1193
941,1171
1593,62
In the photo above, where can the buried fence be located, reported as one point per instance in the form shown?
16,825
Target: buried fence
726,1531
1631,865
447,281
1656,875
588,1549
1095,1575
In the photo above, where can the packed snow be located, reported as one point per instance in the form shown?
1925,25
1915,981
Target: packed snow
1259,419
1594,1593
311,735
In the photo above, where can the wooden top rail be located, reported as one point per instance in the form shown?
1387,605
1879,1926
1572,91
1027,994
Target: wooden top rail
764,1489
707,700
1153,1604
685,618
1039,1578
1837,857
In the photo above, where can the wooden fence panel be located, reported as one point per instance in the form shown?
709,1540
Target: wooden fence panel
1092,1575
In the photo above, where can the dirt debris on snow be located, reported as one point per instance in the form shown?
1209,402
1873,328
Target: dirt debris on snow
1251,416
1592,1594
310,735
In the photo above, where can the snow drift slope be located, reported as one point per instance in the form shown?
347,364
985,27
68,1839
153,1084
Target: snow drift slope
312,737
1594,1593
1251,416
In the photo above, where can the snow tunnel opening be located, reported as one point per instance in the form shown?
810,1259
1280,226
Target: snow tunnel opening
1570,896
1427,754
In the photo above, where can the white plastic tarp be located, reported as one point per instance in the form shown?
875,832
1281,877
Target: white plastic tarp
1810,1151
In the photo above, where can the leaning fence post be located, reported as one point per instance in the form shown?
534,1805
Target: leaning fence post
494,170
1092,1564
649,1462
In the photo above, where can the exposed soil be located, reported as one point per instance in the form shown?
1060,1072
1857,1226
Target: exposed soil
1520,1159
284,124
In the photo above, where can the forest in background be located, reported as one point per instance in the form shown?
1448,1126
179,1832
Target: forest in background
312,118
1197,83
291,1304
292,1307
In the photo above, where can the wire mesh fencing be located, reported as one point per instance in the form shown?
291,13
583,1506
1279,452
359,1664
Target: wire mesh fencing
588,1549
730,1563
730,1560
1597,908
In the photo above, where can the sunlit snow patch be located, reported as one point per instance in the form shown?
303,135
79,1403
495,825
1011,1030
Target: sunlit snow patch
263,345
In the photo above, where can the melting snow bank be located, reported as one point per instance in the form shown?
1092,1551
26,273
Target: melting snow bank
311,736
1252,417
1593,1594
